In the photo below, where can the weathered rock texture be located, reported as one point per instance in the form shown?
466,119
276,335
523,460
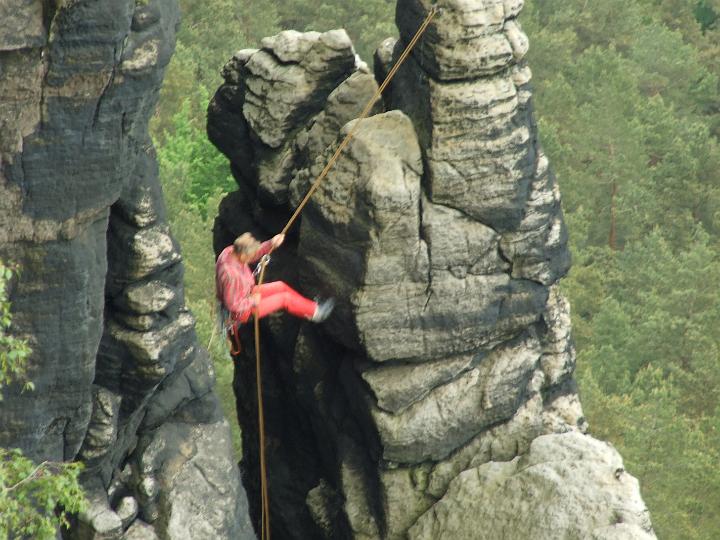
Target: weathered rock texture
438,400
120,381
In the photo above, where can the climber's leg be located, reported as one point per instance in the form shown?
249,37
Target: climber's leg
278,296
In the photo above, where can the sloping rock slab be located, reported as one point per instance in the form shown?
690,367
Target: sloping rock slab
567,486
201,495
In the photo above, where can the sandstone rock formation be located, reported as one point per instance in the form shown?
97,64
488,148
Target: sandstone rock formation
542,494
438,401
120,381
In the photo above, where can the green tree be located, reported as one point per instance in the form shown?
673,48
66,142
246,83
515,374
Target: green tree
672,454
368,22
706,14
626,94
197,168
209,35
35,499
14,351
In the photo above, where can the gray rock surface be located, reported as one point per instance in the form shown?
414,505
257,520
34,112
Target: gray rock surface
140,530
448,362
100,298
303,69
21,25
127,510
467,39
567,486
98,521
187,475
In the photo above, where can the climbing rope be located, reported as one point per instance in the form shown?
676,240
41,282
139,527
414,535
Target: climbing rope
362,117
265,502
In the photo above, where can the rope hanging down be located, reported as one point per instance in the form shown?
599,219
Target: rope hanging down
265,501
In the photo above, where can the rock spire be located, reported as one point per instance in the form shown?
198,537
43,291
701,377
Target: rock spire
439,400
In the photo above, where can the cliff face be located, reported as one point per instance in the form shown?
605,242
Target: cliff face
438,401
120,381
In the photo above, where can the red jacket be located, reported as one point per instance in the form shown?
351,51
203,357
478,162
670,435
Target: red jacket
234,282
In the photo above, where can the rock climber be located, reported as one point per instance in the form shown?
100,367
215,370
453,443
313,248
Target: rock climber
239,296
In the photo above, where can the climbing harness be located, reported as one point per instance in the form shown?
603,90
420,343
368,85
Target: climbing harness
260,269
232,328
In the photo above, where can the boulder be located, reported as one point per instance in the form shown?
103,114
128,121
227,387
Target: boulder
567,486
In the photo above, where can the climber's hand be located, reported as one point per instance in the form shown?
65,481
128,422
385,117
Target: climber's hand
277,240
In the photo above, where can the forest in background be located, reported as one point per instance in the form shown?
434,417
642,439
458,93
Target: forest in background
627,101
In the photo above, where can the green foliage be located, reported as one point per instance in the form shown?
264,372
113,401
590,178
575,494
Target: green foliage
627,97
34,499
368,22
647,309
705,14
196,167
14,351
194,177
626,114
674,456
210,33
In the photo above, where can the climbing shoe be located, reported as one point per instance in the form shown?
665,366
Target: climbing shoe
323,310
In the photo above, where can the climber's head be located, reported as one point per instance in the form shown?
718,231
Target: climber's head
245,246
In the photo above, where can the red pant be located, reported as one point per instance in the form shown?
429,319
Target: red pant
278,295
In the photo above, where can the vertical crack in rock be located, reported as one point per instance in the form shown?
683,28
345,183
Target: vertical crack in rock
121,383
444,376
425,238
105,88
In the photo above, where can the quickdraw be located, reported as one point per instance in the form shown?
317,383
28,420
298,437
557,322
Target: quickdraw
264,261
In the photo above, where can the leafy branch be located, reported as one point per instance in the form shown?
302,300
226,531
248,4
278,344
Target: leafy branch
34,499
14,351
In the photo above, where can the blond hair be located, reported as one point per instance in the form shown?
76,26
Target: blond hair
245,244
